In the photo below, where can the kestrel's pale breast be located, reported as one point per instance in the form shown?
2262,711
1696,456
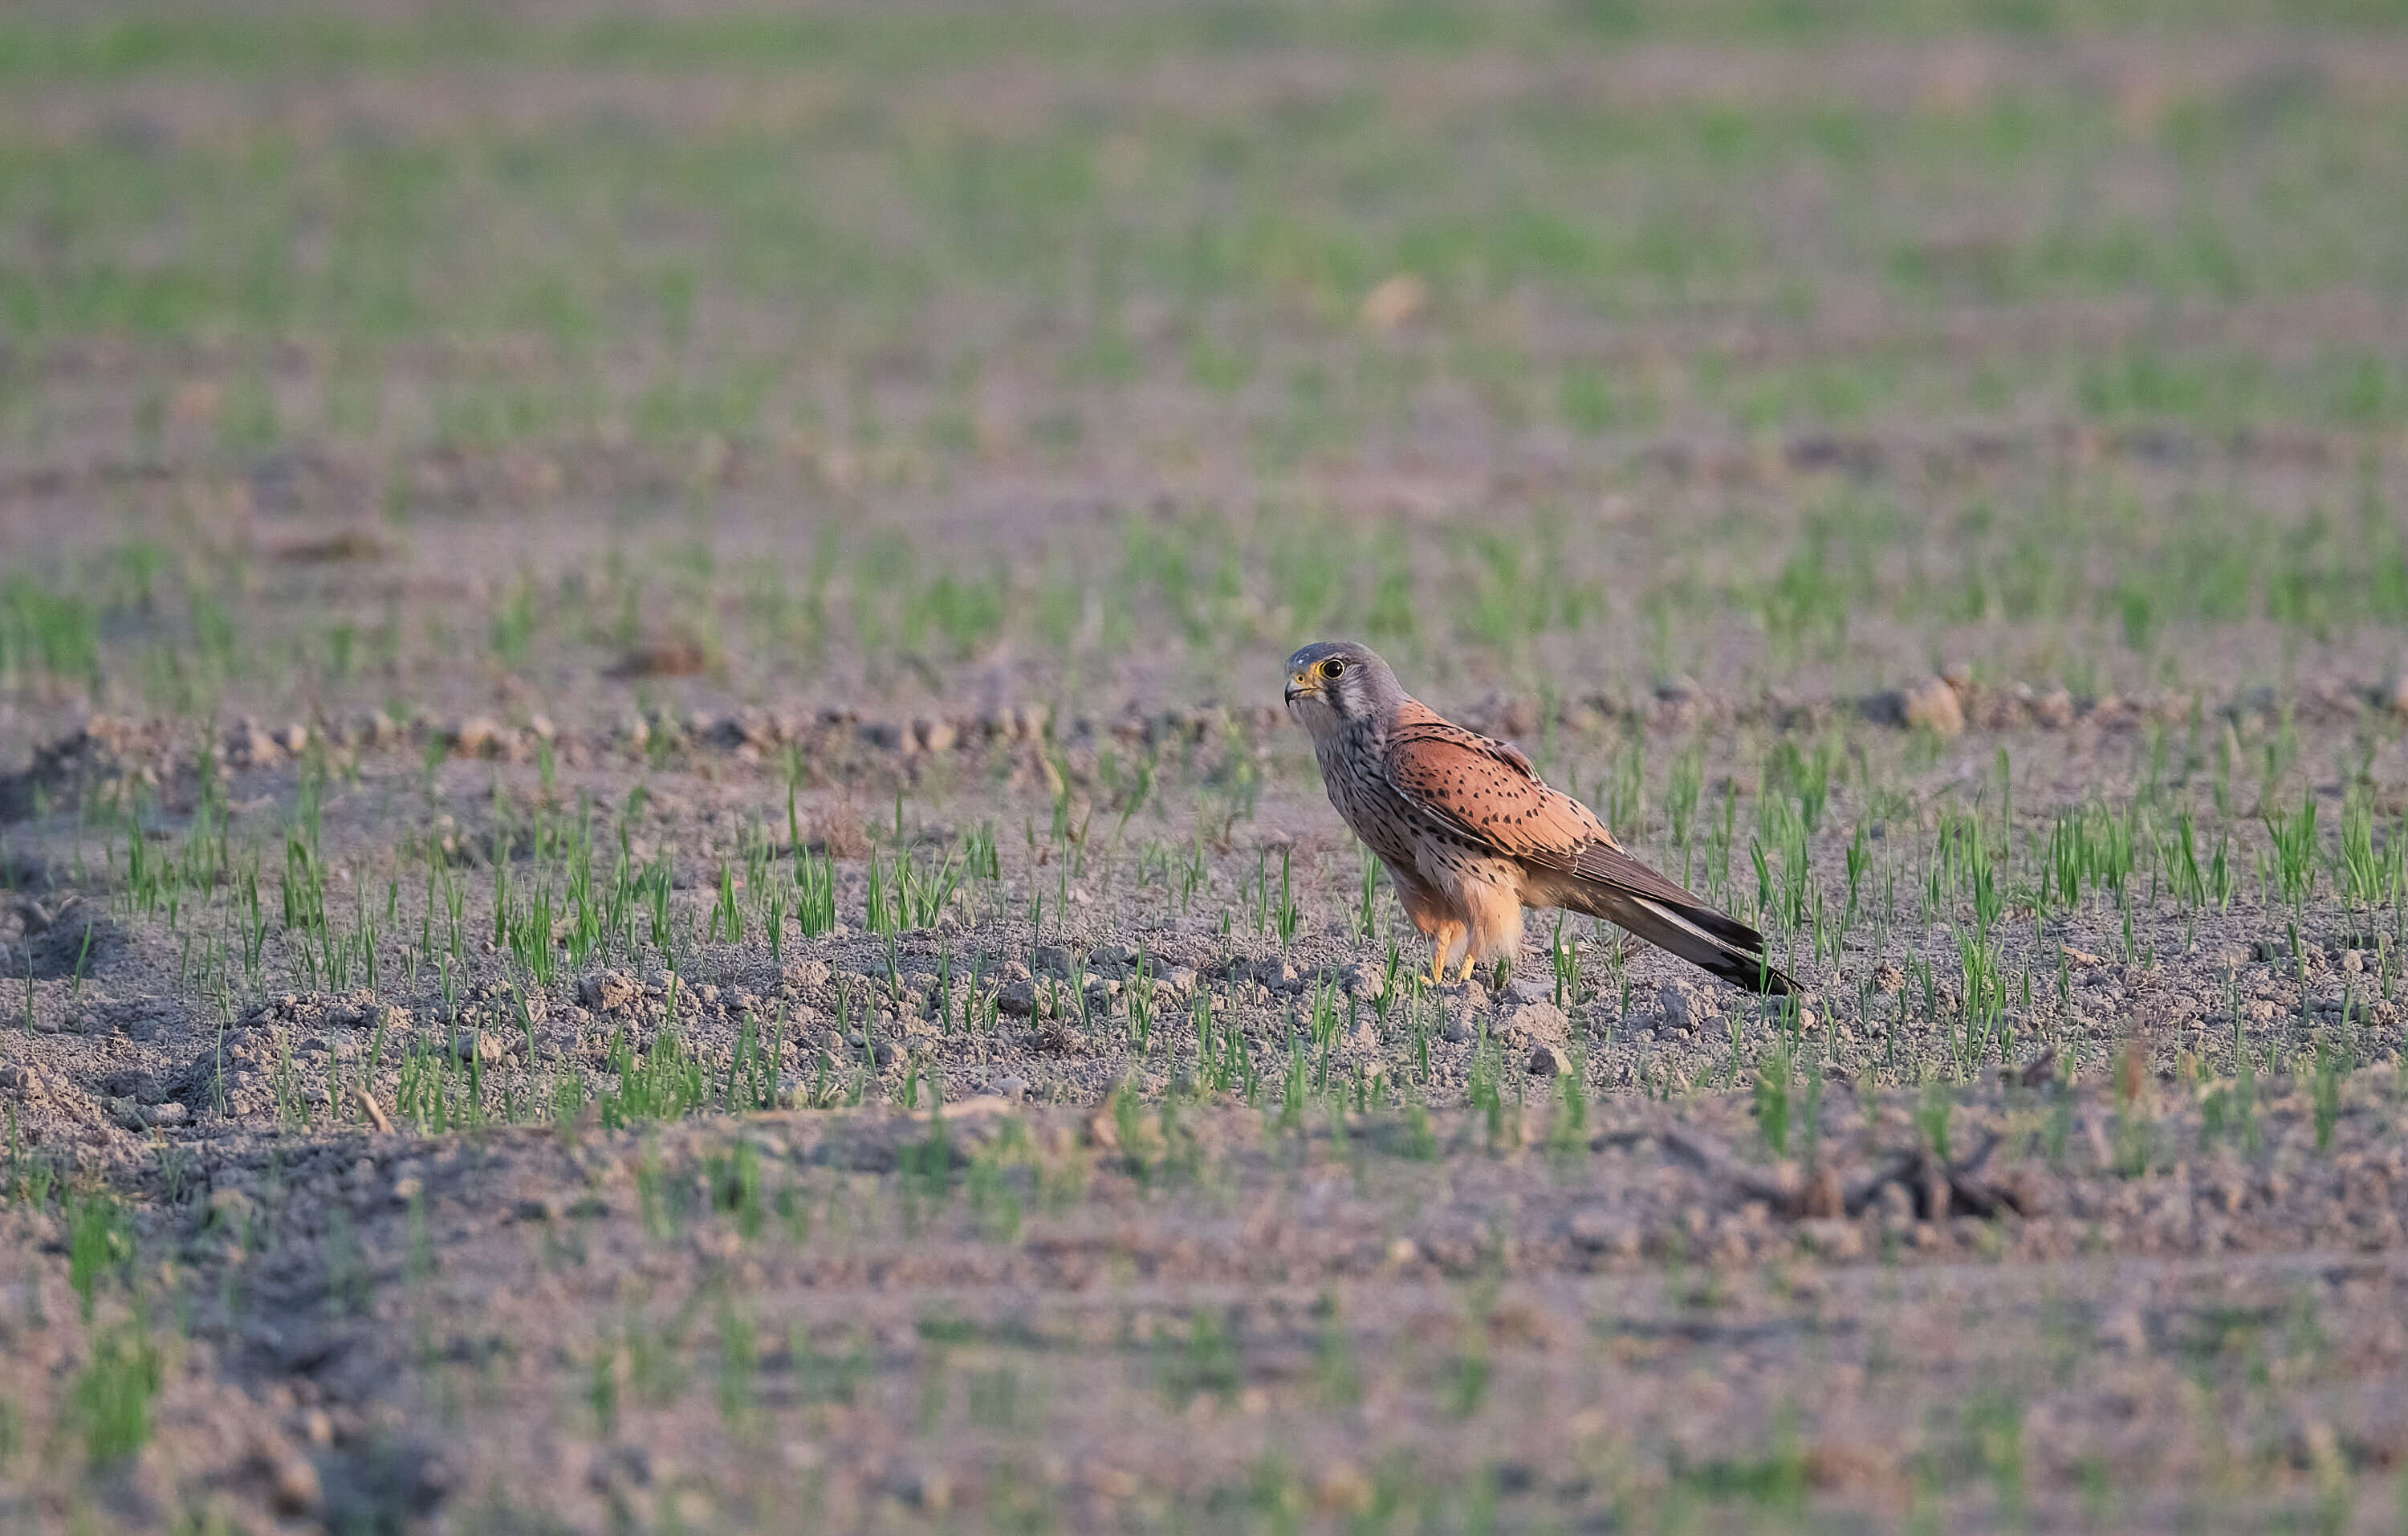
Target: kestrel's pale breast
1401,826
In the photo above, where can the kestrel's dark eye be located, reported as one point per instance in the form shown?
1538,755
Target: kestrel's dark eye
1332,668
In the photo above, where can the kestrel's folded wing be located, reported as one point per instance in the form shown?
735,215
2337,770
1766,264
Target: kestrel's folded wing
1486,791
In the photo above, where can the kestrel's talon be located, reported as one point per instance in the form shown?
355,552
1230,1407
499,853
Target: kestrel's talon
1472,835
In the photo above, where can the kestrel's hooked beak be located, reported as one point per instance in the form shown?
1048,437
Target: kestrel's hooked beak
1304,685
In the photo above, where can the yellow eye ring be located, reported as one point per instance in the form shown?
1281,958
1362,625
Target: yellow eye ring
1332,668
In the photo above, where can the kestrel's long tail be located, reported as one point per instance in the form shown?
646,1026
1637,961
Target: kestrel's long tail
1609,883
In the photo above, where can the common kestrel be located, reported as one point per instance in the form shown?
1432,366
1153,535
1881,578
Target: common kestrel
1472,835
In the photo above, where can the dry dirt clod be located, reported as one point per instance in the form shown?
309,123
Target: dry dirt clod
1394,302
293,1488
677,655
805,975
1531,989
1365,982
477,736
1535,1024
483,1045
1686,1005
1060,1039
1933,705
609,990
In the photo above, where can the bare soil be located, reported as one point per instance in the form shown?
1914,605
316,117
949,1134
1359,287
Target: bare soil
2098,1273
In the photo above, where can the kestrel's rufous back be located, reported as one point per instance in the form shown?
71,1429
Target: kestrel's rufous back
1470,834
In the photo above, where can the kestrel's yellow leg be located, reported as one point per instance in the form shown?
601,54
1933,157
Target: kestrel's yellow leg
1493,923
1443,935
1431,916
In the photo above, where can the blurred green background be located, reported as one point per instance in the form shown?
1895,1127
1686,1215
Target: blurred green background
898,348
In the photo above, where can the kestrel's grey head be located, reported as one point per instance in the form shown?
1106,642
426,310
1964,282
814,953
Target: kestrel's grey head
1333,684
